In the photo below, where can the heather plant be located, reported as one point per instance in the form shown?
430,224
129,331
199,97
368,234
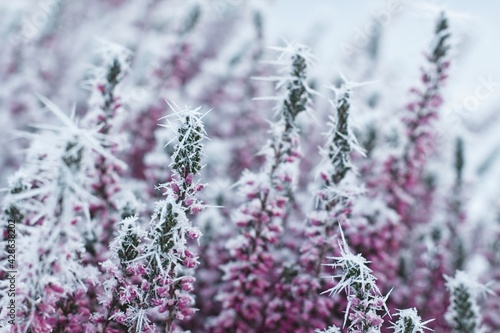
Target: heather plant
108,207
401,211
463,314
253,265
105,113
421,140
169,260
428,285
333,205
152,267
366,306
50,201
409,322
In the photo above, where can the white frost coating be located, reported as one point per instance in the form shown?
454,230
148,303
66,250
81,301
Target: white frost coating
463,314
409,322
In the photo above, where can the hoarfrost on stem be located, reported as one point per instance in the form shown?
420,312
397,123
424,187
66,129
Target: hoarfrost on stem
365,301
409,322
156,279
463,314
254,265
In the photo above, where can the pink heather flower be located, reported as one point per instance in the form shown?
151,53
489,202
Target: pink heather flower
190,262
197,208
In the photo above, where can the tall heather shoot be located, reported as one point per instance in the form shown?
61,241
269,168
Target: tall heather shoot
254,264
333,205
104,113
421,138
463,314
409,322
154,286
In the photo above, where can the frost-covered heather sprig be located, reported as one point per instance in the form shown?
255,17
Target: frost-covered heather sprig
364,300
115,202
104,111
403,185
408,177
463,314
254,266
409,322
51,197
456,212
158,292
426,281
122,277
333,206
104,103
222,82
333,199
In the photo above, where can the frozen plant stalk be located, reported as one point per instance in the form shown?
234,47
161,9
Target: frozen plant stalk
409,195
409,322
364,300
333,200
169,257
410,189
105,107
254,267
333,204
463,313
165,262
